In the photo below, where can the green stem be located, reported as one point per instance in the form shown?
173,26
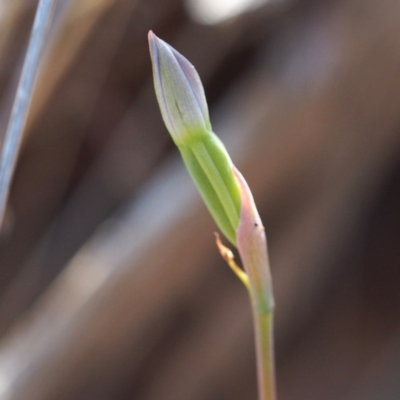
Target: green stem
263,329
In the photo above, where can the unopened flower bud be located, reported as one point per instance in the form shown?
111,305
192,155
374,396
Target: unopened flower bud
183,105
179,91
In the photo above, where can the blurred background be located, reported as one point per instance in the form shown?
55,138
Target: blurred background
111,286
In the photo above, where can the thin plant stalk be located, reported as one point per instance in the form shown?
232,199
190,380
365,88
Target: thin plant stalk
19,113
252,246
263,330
263,316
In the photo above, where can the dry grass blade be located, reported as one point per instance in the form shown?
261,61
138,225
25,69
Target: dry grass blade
22,99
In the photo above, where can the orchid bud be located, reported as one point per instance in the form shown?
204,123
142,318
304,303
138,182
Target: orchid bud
183,105
179,91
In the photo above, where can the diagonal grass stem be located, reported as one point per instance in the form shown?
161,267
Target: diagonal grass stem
19,113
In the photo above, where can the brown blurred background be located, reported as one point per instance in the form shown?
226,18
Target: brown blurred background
110,283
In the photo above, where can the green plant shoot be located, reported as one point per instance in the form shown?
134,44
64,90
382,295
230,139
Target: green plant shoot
183,105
